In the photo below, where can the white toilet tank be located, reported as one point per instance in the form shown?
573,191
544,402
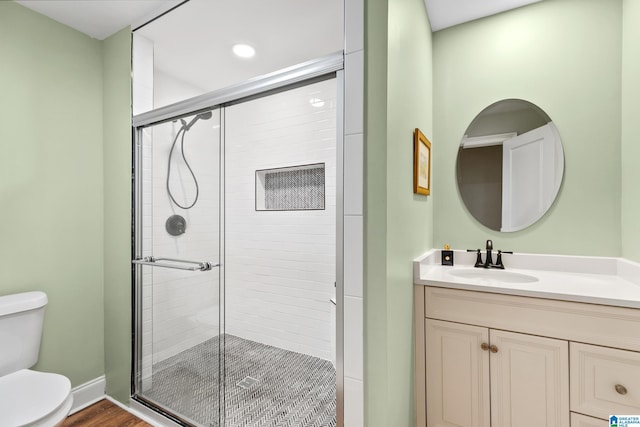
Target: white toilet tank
21,320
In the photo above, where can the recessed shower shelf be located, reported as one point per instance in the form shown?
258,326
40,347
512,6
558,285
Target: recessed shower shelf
291,188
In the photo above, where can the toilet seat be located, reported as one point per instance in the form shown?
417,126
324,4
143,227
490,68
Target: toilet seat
31,398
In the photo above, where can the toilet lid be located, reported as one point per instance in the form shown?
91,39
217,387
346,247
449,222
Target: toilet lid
26,396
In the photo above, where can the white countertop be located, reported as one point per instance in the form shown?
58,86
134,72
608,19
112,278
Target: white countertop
594,280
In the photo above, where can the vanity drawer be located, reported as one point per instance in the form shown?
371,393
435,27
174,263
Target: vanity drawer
579,420
604,381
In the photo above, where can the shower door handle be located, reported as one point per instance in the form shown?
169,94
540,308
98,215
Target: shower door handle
178,264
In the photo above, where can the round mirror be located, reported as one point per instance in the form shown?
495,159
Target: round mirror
510,165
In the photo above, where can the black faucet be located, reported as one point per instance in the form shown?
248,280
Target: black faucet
488,263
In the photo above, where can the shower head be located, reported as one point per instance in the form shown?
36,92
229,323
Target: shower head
204,116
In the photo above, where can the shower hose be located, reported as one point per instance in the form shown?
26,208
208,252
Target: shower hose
183,130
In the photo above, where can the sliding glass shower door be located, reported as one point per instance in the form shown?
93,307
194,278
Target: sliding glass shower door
178,354
236,260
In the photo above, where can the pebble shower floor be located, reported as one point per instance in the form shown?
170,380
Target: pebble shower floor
265,386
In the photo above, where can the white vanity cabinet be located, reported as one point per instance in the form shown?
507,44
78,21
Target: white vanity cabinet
495,360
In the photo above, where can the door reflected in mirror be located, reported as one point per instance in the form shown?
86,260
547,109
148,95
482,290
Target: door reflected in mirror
510,165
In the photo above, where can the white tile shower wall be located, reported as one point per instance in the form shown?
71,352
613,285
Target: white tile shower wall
142,68
280,265
354,26
353,245
185,302
167,89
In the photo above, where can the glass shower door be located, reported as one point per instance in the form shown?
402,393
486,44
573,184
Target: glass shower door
178,351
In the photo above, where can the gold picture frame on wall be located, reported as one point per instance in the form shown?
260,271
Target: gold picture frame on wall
421,163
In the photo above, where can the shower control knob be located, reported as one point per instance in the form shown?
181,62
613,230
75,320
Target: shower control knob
176,225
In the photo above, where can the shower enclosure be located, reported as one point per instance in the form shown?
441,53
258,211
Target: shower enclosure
235,265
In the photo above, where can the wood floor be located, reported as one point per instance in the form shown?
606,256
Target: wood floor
104,414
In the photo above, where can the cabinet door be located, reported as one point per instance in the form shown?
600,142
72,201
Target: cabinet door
529,381
457,375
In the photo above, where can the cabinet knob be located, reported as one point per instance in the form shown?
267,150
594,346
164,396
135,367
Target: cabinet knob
484,346
494,349
621,389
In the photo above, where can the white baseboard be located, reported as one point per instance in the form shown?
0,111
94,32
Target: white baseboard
88,393
93,391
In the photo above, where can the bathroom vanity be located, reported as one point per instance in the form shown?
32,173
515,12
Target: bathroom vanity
550,341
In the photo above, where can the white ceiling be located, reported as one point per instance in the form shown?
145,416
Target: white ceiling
102,18
194,42
447,13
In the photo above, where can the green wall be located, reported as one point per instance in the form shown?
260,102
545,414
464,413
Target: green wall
65,179
398,224
117,215
375,214
565,56
51,179
576,59
630,130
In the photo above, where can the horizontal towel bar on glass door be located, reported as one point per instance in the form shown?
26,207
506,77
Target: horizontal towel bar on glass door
175,263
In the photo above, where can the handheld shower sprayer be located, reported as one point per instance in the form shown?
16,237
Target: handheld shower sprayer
183,130
204,116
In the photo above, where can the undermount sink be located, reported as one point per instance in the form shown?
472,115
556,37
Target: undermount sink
497,275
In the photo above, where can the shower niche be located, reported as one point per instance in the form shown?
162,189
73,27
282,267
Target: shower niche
291,188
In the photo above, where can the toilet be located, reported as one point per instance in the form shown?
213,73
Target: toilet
28,398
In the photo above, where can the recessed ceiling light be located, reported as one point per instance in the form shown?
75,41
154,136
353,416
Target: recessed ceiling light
316,102
243,50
